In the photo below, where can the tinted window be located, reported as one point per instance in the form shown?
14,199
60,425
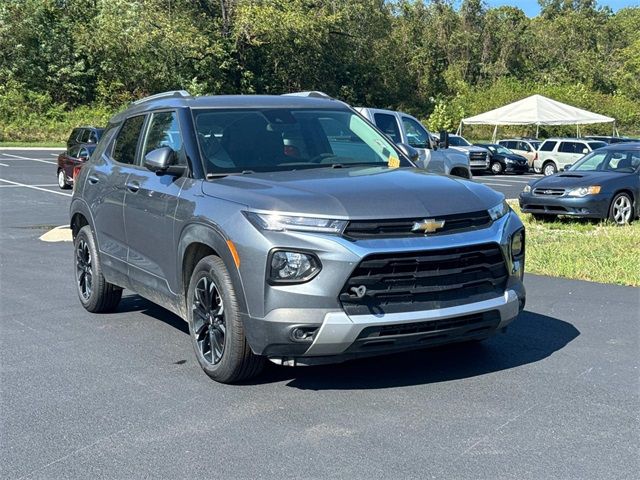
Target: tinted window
389,126
596,145
535,145
509,144
417,136
456,141
124,150
84,138
524,146
73,151
547,146
288,139
164,131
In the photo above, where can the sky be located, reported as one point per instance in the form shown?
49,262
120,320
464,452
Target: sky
531,7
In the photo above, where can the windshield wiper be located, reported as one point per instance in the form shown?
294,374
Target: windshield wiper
213,176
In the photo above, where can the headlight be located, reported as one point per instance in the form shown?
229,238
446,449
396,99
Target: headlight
499,210
281,223
584,191
292,267
527,189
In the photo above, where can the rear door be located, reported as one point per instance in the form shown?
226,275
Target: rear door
104,190
150,204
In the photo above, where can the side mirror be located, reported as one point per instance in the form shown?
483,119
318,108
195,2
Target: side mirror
162,160
83,159
585,150
444,139
409,152
567,167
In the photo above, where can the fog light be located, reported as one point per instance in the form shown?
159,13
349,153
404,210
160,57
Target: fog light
292,267
517,243
303,334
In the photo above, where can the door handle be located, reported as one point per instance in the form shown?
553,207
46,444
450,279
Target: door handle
133,186
93,179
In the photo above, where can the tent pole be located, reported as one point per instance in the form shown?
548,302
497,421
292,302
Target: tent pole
537,131
495,134
459,132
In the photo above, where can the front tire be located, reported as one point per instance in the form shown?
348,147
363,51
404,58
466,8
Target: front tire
621,209
95,293
496,168
215,326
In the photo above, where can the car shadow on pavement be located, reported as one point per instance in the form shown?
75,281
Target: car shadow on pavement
531,338
136,303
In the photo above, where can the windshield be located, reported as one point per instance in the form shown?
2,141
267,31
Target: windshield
499,149
621,161
456,141
264,140
596,145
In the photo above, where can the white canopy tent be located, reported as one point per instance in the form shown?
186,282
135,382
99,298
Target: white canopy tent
536,110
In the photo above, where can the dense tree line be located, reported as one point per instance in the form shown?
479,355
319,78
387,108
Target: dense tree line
71,61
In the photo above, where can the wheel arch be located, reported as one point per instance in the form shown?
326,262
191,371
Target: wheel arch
459,171
198,241
80,216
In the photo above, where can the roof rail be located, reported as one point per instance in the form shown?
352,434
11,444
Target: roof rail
172,93
312,93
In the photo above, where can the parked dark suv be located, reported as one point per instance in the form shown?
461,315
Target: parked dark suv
87,135
275,238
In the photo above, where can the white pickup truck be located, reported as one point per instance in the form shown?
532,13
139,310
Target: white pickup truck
403,128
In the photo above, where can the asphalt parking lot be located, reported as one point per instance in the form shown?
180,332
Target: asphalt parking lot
122,396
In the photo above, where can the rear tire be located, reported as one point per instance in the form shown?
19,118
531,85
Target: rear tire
215,326
62,181
621,209
549,168
95,293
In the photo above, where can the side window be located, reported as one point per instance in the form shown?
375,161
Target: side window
84,138
164,131
547,146
93,138
73,151
417,136
124,150
511,145
524,146
571,147
389,126
83,153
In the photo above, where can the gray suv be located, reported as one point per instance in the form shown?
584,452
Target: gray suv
291,229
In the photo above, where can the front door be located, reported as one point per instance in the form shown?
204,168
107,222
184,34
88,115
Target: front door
150,205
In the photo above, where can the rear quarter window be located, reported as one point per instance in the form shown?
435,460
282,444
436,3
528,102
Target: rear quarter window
126,142
548,146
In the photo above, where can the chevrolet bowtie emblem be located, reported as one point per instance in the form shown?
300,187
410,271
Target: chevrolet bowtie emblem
428,225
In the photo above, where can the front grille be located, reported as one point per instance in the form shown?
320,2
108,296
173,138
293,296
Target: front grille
396,228
553,192
389,338
425,280
477,157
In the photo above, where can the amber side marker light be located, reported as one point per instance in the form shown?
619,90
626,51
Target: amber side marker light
234,253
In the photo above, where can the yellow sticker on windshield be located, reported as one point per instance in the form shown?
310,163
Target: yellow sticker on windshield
393,162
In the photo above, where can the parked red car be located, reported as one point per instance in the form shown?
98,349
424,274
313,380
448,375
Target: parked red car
69,163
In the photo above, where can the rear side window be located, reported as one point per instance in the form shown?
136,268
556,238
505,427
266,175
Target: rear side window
548,146
524,146
124,149
389,126
597,145
570,147
509,144
164,131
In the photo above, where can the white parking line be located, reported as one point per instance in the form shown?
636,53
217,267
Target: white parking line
33,187
41,185
496,184
3,165
27,158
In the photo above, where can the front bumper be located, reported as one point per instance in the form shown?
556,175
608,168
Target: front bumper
590,206
516,168
335,335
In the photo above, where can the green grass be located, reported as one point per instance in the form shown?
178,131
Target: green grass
583,249
33,144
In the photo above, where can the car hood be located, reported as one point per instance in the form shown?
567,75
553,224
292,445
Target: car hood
576,179
470,148
512,156
355,192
